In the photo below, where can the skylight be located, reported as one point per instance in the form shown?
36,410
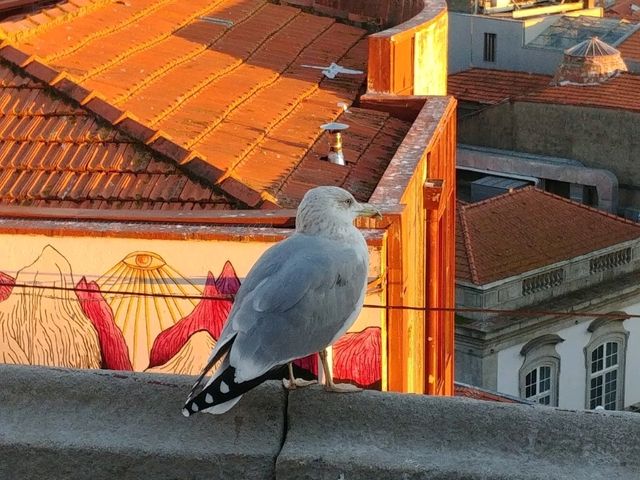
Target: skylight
570,31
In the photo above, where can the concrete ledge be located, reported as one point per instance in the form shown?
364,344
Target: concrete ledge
94,424
391,436
70,424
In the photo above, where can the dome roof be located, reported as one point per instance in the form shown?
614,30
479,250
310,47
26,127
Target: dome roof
594,47
589,63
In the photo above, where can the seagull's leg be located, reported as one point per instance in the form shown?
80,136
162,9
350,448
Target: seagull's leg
334,387
292,383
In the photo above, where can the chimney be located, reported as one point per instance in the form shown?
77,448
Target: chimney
335,141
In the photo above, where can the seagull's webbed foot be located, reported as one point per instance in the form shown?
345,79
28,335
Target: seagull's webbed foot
292,382
335,387
297,383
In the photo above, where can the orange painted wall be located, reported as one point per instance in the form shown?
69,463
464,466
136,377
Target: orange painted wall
411,59
421,262
409,62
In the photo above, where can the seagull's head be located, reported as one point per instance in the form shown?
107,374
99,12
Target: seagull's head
330,208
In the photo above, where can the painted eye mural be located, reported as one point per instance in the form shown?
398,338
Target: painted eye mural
142,315
146,297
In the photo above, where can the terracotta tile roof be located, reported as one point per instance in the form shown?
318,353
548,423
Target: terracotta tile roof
622,9
225,79
372,135
620,92
470,391
463,266
630,48
528,229
54,153
493,86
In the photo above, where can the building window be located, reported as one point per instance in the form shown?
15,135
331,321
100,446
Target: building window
538,385
603,385
489,47
605,362
540,370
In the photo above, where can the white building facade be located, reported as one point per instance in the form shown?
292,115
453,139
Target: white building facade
570,336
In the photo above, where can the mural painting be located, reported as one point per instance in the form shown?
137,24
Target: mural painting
142,315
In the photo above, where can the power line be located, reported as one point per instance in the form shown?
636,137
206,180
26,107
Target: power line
221,296
231,297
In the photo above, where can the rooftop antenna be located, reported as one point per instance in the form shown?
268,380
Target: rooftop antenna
335,142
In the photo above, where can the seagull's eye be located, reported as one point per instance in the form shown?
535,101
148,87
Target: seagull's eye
348,202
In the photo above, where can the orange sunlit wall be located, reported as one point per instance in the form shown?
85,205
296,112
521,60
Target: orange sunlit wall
421,260
439,364
406,63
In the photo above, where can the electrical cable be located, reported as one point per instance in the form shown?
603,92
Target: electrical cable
230,297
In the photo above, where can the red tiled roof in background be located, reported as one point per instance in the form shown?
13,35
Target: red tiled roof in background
463,265
619,92
224,79
514,233
493,86
469,391
630,47
56,154
622,9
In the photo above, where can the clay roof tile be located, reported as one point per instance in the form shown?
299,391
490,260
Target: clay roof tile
515,233
230,91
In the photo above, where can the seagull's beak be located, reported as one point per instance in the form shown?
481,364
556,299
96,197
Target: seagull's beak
367,210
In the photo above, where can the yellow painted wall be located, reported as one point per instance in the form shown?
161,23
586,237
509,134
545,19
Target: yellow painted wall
430,58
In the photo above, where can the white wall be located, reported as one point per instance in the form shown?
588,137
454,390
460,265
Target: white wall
632,386
572,363
466,44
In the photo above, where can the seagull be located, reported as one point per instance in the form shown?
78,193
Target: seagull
301,296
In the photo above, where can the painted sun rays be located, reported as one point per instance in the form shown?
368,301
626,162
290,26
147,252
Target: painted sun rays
146,296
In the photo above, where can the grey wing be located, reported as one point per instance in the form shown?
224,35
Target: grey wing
267,265
300,307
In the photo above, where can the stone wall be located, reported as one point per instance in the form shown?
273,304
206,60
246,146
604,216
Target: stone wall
70,424
598,137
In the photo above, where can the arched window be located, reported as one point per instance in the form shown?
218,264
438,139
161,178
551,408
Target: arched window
540,370
605,363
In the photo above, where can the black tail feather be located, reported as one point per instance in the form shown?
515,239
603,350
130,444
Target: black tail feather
225,348
221,390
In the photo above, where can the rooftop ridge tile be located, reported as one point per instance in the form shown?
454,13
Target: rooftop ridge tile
468,246
493,87
237,189
587,207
